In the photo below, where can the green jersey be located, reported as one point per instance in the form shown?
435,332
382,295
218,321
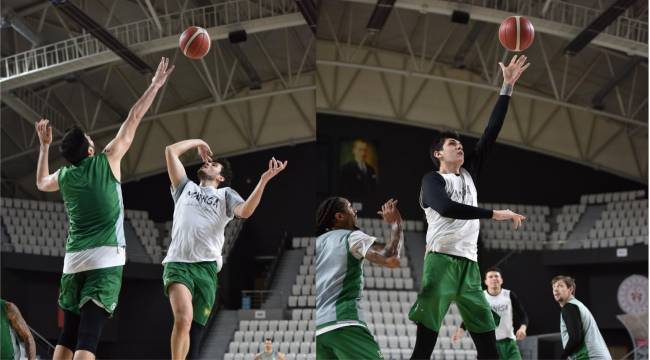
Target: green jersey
93,201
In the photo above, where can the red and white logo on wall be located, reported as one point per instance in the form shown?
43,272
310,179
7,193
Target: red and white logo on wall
633,295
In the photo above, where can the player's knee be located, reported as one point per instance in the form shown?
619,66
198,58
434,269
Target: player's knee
88,340
183,320
67,339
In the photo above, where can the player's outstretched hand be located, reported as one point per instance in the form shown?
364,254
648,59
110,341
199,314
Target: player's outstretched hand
204,151
501,215
275,167
390,213
458,335
521,333
513,71
162,73
44,132
392,262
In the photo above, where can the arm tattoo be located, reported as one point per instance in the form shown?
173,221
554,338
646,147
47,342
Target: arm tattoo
22,330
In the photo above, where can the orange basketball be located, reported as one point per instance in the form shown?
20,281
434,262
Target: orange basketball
516,33
195,42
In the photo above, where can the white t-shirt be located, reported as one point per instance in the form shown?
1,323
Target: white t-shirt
200,218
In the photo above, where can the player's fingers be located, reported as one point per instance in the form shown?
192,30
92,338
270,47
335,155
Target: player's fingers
514,58
525,67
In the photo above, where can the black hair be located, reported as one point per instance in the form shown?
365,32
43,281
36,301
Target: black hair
439,142
74,146
268,339
493,269
226,171
325,213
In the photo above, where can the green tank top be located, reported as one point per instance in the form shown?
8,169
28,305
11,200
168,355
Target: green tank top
6,341
93,201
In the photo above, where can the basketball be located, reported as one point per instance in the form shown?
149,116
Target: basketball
195,42
516,33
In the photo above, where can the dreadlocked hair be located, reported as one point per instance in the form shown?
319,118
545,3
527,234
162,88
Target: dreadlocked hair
325,213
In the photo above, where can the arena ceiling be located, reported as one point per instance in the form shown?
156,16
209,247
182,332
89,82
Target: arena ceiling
422,69
242,97
590,108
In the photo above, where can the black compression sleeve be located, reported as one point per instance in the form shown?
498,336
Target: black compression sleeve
435,196
489,137
519,316
571,316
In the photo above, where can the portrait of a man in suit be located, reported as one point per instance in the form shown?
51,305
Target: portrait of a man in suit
358,173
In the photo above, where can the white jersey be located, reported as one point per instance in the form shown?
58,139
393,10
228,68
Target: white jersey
339,284
200,218
502,305
454,236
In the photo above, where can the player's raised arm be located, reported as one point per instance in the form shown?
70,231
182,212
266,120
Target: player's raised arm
116,149
511,74
246,209
44,180
175,168
388,254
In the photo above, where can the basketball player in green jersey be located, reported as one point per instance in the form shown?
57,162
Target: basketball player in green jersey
269,353
95,247
12,325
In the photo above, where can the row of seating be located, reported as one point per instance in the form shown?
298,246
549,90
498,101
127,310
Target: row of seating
634,204
285,347
387,283
251,356
370,224
512,234
527,210
275,325
613,242
536,225
303,314
31,204
277,336
302,242
602,198
514,245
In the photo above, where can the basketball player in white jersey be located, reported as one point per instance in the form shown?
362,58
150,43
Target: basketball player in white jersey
449,199
341,331
581,339
511,314
201,213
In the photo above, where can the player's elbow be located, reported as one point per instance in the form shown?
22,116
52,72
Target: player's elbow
42,185
444,210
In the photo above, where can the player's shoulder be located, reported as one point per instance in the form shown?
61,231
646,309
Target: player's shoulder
432,176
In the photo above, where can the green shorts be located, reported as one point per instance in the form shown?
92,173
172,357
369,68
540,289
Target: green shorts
201,279
508,350
101,286
448,279
349,342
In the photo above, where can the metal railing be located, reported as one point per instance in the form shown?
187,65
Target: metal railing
40,105
172,24
568,13
253,299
